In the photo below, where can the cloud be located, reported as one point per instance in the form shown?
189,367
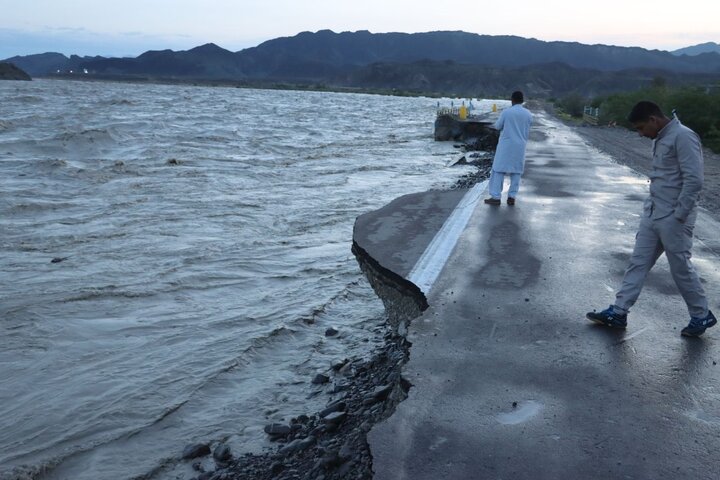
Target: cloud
83,41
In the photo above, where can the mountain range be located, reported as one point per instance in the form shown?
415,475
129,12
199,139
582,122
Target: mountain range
698,49
432,62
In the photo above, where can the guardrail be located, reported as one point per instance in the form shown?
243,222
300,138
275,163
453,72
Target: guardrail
448,111
591,115
463,112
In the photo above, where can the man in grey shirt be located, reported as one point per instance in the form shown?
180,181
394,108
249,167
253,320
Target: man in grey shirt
668,220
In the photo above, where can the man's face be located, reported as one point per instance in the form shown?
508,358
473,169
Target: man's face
648,128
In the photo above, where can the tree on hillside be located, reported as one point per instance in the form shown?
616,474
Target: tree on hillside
698,108
573,104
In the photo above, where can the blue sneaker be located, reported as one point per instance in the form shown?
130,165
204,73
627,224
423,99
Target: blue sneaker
608,317
697,326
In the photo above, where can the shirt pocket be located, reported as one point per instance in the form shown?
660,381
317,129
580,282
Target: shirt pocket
665,156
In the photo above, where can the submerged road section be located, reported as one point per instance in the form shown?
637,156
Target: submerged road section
509,381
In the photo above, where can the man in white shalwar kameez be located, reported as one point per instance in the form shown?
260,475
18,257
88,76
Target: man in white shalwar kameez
514,125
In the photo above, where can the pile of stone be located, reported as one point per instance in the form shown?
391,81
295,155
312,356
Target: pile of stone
482,160
330,444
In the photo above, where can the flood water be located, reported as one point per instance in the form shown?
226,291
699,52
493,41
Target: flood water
171,259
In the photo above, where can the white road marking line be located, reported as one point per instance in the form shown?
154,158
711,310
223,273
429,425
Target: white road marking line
433,259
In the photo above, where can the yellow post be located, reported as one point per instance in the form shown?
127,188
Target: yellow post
494,109
463,112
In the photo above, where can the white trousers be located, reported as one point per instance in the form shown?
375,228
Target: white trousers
497,179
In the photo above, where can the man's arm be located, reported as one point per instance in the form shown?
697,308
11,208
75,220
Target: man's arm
500,123
690,159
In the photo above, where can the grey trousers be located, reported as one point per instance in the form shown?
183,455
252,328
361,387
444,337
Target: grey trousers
675,239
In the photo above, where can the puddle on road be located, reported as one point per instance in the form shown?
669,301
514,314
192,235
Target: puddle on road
522,413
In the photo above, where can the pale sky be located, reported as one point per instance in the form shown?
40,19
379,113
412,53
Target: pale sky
130,27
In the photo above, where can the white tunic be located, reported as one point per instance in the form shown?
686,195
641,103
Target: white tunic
514,125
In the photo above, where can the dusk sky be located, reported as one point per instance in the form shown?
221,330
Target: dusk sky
130,27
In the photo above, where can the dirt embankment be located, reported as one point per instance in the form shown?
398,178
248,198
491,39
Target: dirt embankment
628,148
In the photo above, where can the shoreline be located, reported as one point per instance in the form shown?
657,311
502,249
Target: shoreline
332,444
260,85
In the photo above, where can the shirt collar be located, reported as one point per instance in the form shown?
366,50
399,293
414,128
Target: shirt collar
670,125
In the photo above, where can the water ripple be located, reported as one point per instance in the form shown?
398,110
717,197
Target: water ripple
202,238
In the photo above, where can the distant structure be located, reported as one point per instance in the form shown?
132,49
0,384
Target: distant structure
455,123
591,115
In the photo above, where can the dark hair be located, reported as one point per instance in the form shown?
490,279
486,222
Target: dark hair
642,111
517,97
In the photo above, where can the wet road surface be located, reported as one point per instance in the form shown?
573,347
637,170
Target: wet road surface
509,379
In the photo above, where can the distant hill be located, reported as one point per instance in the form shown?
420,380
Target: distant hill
709,47
364,48
541,80
8,71
405,61
49,63
205,62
